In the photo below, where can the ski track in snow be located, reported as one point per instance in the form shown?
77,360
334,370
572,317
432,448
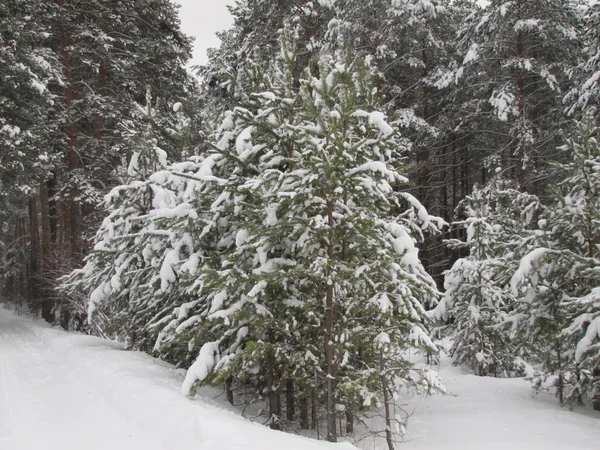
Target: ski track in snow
73,392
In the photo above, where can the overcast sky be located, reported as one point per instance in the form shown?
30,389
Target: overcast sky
202,19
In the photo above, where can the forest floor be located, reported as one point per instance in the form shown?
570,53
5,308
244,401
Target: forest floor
73,392
484,413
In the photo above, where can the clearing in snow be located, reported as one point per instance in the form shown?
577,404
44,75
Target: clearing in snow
70,392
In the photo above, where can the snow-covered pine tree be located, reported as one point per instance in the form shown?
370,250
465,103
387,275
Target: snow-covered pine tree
557,280
127,275
355,237
576,221
516,57
314,235
28,68
241,316
585,93
476,298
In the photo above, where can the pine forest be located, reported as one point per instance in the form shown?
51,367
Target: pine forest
345,193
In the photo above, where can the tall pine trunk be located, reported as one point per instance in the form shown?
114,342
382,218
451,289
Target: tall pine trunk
389,437
290,400
273,386
303,401
34,266
46,257
72,210
329,337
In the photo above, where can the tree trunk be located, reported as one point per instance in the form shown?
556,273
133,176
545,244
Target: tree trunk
65,318
274,400
303,400
229,390
46,227
290,400
560,381
349,422
73,218
389,437
314,411
53,209
329,323
596,391
46,259
34,233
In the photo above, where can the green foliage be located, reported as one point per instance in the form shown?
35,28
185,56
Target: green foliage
498,228
558,279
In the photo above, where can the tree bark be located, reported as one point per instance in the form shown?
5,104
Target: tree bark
389,437
290,400
314,411
329,324
274,400
34,233
596,391
46,227
46,259
53,210
303,401
73,208
229,390
349,422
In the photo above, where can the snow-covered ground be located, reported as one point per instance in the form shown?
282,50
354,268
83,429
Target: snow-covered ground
496,414
72,392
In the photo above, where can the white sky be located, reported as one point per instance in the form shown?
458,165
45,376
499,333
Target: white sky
202,19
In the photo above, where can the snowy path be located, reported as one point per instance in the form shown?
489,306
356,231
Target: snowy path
72,392
497,414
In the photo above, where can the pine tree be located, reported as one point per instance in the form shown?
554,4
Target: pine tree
28,69
584,95
577,231
476,296
127,274
516,57
307,192
556,280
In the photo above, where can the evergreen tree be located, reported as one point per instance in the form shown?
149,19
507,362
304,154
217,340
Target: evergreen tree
28,70
584,95
577,230
130,263
556,281
329,237
516,57
476,298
